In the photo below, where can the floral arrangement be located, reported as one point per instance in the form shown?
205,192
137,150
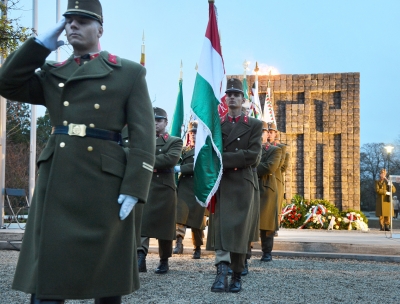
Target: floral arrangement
320,214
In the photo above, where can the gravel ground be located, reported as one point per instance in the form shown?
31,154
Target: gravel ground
284,280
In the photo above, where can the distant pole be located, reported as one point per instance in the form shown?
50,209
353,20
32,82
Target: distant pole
58,17
3,118
32,154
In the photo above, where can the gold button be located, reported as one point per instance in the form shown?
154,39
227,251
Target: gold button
97,106
62,145
65,123
103,87
61,85
66,103
90,149
91,125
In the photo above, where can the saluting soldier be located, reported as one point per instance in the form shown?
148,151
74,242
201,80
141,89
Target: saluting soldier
189,214
230,225
269,207
383,204
159,214
79,242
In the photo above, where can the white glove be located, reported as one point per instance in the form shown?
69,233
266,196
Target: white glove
388,193
127,203
177,169
389,183
49,38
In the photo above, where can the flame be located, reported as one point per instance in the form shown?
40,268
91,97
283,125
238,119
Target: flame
265,69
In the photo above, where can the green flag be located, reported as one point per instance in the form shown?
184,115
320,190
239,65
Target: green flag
245,89
177,120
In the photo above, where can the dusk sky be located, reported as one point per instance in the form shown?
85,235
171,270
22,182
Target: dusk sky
292,36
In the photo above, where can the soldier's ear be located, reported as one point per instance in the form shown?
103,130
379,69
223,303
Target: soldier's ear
100,31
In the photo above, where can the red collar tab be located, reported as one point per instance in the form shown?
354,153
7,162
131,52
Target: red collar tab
78,60
94,56
275,143
233,119
58,64
165,136
112,58
246,119
266,147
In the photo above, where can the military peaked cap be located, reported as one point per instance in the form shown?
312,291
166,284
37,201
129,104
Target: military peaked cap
192,126
160,113
272,126
234,85
86,8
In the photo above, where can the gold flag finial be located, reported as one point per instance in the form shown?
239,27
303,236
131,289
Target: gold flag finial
181,73
245,66
196,67
256,69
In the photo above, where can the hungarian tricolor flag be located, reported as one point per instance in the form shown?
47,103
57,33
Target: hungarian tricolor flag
268,113
208,94
177,120
255,102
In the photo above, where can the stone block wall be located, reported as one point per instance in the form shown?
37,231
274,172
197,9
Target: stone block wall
318,116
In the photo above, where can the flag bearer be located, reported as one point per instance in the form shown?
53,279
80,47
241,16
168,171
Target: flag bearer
230,225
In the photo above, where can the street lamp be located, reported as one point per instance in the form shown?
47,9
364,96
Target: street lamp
389,150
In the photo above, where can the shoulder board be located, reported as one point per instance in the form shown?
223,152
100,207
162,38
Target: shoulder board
112,58
58,64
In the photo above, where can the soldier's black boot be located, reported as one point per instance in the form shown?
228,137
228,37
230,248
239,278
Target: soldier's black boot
387,227
38,301
221,280
162,267
236,282
141,261
267,243
108,300
178,245
196,253
246,268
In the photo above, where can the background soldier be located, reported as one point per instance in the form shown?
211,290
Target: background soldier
269,207
280,182
159,214
383,205
230,227
83,171
189,212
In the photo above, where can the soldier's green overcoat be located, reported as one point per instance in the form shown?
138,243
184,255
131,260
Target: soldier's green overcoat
230,226
280,182
382,200
188,212
159,213
75,245
255,233
269,164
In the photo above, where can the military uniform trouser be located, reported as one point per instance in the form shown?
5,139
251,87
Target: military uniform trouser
267,240
197,234
235,260
164,247
248,254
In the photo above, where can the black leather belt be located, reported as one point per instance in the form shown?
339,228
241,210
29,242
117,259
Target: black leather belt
163,170
83,131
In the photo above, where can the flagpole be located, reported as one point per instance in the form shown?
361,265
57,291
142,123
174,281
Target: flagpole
58,17
143,52
32,157
3,118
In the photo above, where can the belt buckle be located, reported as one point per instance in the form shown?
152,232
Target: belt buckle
77,130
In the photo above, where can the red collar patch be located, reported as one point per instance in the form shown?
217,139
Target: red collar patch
233,119
165,136
246,119
112,58
58,64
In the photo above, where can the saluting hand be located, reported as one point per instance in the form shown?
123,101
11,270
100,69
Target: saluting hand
127,203
49,38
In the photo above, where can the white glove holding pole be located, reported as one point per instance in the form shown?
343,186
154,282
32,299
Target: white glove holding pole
177,169
387,193
127,203
49,39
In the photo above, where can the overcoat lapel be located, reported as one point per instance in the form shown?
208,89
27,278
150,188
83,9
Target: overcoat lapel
95,68
239,129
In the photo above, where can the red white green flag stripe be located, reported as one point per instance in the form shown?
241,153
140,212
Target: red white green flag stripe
208,94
